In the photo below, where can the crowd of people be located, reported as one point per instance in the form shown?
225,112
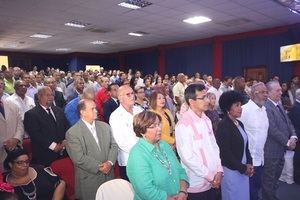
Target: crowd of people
173,137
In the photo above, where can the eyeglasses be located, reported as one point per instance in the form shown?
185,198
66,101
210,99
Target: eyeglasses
155,125
22,162
202,98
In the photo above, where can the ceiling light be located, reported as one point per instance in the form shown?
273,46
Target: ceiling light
130,6
63,49
135,34
40,35
292,5
134,4
99,42
197,20
76,24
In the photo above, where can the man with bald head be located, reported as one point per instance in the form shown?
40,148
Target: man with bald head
59,99
101,97
20,98
92,149
179,88
46,125
121,122
256,124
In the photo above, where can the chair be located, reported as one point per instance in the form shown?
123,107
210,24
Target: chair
64,168
27,147
115,189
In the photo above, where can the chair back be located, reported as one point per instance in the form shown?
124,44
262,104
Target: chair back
115,189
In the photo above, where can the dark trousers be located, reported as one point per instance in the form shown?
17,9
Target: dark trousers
255,182
212,194
271,173
123,173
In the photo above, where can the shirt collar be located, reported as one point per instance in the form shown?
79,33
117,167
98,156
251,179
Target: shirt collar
194,115
254,105
88,124
150,147
273,102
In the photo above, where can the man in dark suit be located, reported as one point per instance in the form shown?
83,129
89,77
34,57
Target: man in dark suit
46,125
112,103
281,136
294,115
59,99
92,149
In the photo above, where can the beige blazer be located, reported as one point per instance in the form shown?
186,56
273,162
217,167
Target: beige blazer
10,127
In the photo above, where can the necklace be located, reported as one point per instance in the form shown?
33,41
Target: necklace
236,122
165,161
30,195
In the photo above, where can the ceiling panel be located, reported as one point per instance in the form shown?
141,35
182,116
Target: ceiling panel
109,22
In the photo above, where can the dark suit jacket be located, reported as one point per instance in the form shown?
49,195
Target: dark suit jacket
279,132
231,145
58,98
108,107
86,156
43,131
294,115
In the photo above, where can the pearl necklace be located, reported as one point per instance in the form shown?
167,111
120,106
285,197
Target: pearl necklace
165,161
30,195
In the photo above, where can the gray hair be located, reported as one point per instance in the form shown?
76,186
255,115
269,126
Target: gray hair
271,84
88,93
255,86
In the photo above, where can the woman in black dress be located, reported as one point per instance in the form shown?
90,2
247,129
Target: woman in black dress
32,183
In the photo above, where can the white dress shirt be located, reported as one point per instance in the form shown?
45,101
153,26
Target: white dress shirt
256,124
92,129
24,104
121,123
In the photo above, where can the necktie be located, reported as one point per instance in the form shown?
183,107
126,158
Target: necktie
2,109
281,111
50,114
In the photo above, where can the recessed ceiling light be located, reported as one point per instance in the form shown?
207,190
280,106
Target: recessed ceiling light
134,4
40,35
128,5
197,20
99,42
76,24
135,34
63,49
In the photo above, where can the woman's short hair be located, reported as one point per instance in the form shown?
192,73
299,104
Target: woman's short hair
12,156
144,120
153,99
227,99
190,92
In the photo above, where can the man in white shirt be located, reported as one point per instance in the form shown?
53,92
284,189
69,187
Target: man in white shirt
92,149
215,89
20,98
121,121
178,89
197,147
256,124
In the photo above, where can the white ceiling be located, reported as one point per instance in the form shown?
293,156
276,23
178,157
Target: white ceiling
162,20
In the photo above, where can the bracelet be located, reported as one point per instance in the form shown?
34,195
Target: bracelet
184,192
